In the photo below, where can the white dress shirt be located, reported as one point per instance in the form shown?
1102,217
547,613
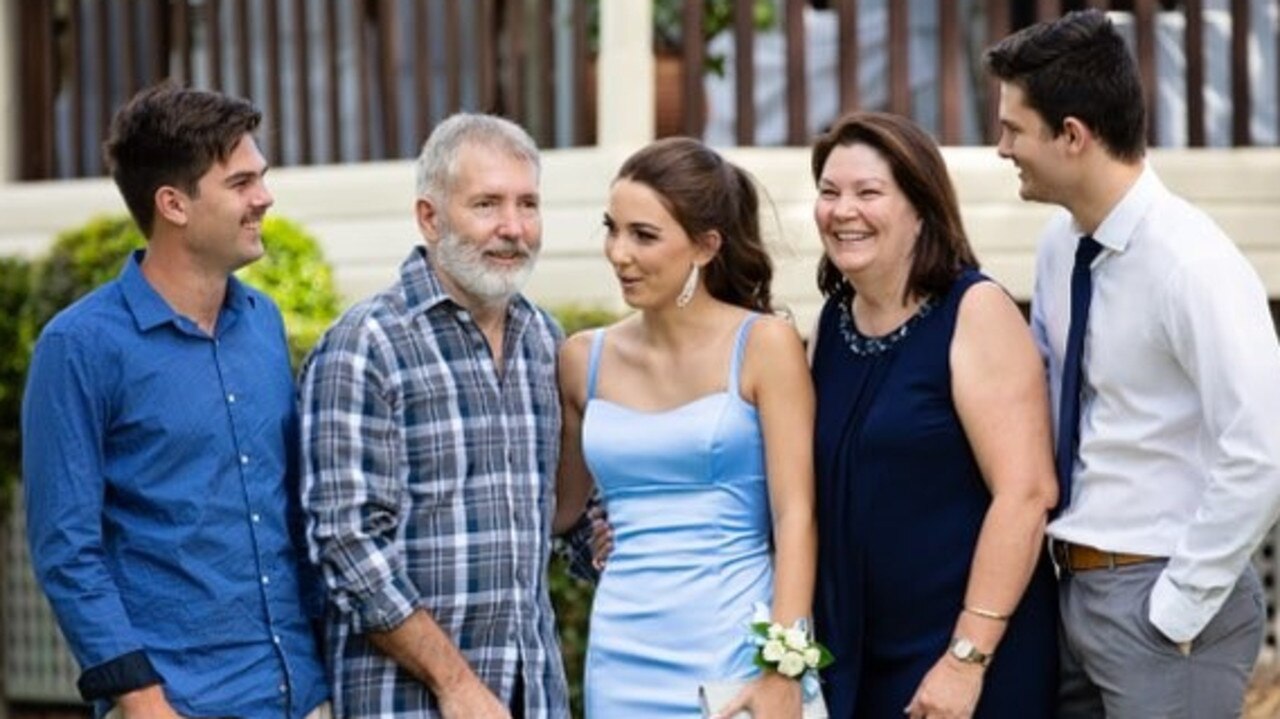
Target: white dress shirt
1180,404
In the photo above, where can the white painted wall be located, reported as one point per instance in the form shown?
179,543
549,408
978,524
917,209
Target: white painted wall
362,215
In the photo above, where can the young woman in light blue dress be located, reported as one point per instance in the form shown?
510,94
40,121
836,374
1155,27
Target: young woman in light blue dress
694,418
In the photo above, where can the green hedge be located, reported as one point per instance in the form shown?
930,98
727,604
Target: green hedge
15,283
80,259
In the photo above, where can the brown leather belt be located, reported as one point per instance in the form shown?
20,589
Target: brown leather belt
1082,558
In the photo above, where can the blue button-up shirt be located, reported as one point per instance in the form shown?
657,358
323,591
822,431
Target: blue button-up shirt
160,482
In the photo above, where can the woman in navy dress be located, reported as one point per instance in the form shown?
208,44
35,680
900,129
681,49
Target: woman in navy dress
933,457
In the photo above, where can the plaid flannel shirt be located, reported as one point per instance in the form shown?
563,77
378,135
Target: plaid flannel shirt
428,483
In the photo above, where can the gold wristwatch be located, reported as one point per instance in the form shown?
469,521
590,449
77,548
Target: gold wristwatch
964,650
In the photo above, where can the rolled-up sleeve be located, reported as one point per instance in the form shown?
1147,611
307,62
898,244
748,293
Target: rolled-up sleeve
351,492
64,416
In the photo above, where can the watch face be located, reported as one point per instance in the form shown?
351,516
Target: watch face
964,650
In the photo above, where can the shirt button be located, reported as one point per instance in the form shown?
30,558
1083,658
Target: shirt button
257,517
275,638
266,579
231,398
244,459
283,688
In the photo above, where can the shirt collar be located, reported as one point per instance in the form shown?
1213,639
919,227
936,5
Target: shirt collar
149,308
1119,226
423,290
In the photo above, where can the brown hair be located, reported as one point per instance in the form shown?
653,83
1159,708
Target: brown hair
170,135
942,250
705,192
1078,66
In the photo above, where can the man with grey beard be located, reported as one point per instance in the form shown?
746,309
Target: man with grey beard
431,432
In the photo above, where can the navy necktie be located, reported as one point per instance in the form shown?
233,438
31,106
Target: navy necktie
1069,398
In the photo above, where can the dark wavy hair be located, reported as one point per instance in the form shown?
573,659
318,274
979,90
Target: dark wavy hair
942,250
1078,66
171,135
705,192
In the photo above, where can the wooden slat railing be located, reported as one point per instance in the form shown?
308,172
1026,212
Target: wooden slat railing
354,80
958,52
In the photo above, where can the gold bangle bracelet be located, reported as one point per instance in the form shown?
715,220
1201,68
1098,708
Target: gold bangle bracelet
987,614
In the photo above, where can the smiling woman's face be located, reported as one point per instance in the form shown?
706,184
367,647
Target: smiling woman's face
867,224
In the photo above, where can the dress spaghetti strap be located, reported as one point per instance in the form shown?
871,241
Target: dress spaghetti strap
593,362
740,349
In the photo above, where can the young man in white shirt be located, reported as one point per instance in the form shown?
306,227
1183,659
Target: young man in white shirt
1166,415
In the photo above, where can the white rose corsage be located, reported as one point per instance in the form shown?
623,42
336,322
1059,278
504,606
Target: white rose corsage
789,651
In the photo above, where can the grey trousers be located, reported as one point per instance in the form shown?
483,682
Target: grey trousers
1116,664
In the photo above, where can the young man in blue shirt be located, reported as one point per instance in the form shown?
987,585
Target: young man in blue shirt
160,446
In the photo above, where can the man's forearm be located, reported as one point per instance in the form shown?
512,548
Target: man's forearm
426,652
149,702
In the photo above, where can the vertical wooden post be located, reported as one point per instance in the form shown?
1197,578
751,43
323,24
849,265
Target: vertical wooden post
1193,49
900,58
301,78
998,23
35,30
1241,103
744,41
951,65
848,13
422,70
693,57
797,76
584,116
1144,27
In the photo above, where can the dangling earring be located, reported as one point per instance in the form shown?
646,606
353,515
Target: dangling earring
690,286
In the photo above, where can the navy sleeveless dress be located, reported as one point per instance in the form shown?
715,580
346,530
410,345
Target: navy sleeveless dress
900,504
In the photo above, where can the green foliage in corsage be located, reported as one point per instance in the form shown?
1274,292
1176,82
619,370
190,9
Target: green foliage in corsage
790,652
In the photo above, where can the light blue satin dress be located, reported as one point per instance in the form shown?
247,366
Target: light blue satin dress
687,499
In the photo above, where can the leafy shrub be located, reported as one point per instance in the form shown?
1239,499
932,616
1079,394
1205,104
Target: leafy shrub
80,260
573,318
571,599
293,273
14,349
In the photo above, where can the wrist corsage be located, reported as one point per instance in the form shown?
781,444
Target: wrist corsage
790,652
